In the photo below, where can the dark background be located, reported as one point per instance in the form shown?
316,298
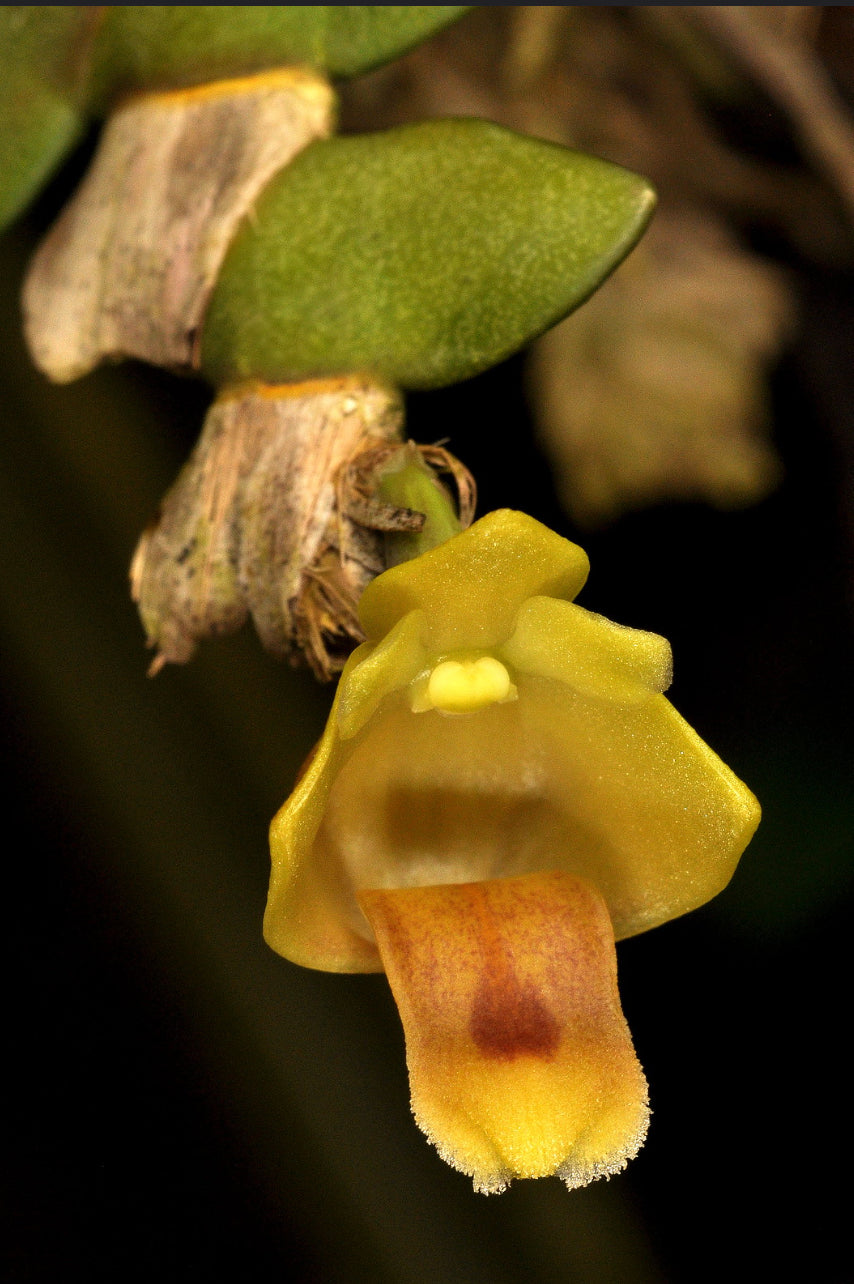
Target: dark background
183,1103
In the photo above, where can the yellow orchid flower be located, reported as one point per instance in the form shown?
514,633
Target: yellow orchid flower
501,792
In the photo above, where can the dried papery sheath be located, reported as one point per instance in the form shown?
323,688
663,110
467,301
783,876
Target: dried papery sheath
130,266
253,523
303,560
275,516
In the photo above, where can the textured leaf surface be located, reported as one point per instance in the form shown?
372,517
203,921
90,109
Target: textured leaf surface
156,46
423,254
42,48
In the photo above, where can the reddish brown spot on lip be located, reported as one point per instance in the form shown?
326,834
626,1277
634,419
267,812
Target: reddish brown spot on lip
510,1020
520,1060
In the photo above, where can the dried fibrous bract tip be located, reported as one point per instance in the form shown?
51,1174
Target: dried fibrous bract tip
656,388
376,462
399,490
277,515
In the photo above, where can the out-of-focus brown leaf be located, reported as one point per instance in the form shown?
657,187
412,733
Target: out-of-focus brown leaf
655,389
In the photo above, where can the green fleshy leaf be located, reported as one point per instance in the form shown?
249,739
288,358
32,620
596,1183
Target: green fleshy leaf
162,46
359,37
43,53
423,255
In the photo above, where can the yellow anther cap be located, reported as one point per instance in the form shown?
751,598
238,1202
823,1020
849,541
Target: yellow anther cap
463,686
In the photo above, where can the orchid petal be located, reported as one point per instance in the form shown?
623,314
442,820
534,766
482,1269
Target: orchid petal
561,640
472,586
379,671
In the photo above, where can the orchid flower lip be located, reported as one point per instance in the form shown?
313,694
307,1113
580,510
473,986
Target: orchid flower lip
521,1063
